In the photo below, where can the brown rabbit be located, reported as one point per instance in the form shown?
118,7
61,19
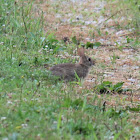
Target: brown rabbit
68,71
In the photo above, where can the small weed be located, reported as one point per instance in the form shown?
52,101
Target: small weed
75,104
91,45
75,41
99,32
108,87
133,109
81,128
114,58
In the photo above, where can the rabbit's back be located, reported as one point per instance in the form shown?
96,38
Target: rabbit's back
68,71
64,71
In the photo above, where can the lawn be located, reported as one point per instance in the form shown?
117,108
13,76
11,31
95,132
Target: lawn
36,35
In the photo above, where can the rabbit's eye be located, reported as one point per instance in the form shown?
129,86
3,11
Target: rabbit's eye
89,59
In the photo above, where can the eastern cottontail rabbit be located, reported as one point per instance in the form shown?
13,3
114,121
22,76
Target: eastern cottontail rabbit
68,71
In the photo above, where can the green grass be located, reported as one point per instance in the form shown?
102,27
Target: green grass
32,104
128,9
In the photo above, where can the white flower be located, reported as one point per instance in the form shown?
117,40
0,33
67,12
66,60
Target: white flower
25,99
3,118
24,125
9,102
1,43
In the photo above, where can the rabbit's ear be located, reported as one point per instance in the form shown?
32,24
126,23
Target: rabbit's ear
81,51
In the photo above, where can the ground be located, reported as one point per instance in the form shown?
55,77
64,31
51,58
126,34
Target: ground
36,35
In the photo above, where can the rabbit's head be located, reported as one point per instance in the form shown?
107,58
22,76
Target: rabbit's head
85,60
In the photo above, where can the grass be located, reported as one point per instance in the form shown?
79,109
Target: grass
32,104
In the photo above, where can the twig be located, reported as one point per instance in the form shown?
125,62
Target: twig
107,126
104,105
111,16
107,45
127,34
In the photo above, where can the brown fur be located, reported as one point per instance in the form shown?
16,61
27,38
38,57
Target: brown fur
68,71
